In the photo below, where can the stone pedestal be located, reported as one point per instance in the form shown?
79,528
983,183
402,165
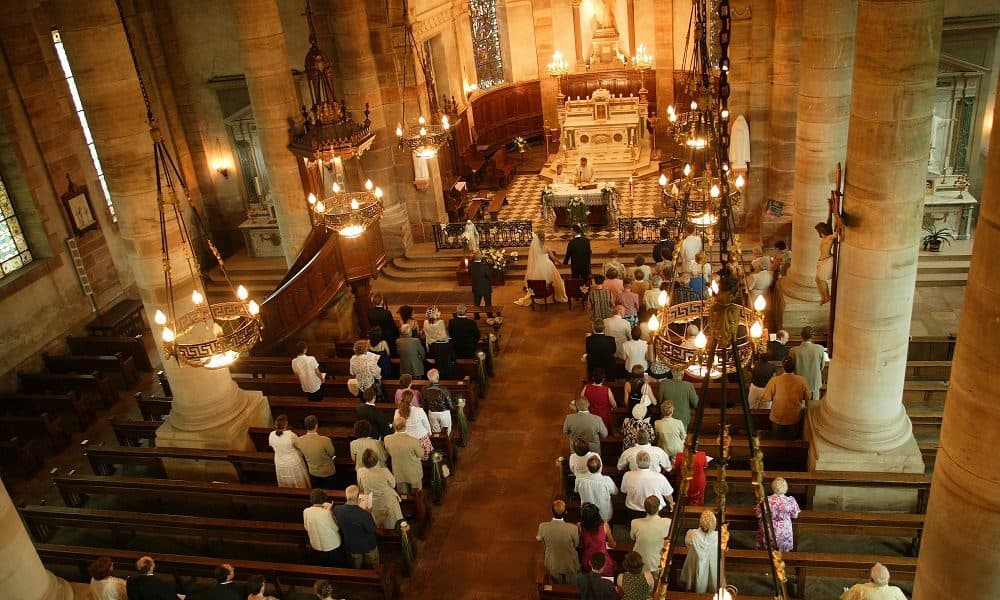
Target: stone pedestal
605,49
796,313
22,574
396,233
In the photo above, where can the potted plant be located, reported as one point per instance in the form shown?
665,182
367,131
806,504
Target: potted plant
935,235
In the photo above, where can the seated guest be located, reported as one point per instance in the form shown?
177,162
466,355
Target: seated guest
670,432
633,425
358,530
595,538
618,328
439,404
406,385
601,352
147,585
630,300
583,424
365,438
635,581
594,586
306,368
701,565
406,453
318,452
323,532
596,488
640,285
256,584
642,483
367,411
411,352
761,373
783,510
442,356
776,348
636,351
464,334
225,588
104,586
581,454
702,273
788,394
658,459
600,397
876,588
649,532
560,540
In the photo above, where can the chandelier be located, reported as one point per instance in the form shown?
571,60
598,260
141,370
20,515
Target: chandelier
424,138
701,196
209,335
348,213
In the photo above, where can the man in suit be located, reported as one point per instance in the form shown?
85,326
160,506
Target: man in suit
464,334
379,315
223,589
406,454
809,361
367,411
578,254
318,451
584,424
482,289
146,585
560,538
776,348
601,352
681,393
411,353
358,529
666,243
649,533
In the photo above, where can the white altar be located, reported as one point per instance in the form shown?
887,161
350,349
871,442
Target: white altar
599,198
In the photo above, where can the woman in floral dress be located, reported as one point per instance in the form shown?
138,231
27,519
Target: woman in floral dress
783,510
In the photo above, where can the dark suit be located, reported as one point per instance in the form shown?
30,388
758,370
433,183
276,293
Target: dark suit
578,257
662,245
150,587
601,354
378,315
464,334
374,416
776,350
219,591
443,354
482,289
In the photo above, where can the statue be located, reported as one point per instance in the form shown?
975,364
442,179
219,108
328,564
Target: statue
604,13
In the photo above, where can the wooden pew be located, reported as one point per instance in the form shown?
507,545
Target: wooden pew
122,319
504,166
497,202
51,403
99,344
24,455
88,363
153,408
380,583
94,383
36,426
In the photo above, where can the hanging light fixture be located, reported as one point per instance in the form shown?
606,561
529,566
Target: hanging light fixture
348,213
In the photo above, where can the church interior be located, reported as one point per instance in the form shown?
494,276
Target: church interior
740,242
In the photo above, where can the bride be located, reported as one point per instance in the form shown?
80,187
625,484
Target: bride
542,267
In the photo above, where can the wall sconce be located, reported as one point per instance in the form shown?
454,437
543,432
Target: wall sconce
220,165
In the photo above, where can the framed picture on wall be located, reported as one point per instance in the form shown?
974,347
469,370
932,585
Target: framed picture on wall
79,210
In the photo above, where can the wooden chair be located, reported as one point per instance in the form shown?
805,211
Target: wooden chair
541,290
574,291
504,167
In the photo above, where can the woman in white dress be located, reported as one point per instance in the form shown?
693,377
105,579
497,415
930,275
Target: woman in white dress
289,466
701,566
542,267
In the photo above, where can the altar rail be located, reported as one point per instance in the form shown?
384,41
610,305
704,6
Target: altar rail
492,234
645,230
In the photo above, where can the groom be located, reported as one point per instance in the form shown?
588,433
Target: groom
578,254
482,288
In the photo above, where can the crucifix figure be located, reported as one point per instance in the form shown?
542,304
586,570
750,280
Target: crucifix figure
829,249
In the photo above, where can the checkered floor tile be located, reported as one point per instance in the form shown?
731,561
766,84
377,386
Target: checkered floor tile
525,197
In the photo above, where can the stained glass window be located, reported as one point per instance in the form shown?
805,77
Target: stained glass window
14,252
486,42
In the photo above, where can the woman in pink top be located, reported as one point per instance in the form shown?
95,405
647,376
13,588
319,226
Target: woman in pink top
406,385
630,300
600,397
614,284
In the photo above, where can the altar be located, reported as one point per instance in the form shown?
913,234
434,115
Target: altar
598,202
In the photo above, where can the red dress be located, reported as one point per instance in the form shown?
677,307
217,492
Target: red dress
596,543
696,489
600,405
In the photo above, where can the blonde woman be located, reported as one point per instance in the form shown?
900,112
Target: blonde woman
701,566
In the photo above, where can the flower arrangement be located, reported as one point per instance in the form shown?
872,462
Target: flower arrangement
522,144
577,209
498,259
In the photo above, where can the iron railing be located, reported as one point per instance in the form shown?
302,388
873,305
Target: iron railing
645,230
492,234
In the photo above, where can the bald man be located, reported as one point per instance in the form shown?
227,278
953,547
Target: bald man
560,539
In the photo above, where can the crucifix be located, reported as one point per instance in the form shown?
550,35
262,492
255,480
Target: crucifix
835,213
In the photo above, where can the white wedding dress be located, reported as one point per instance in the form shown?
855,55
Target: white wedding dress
541,267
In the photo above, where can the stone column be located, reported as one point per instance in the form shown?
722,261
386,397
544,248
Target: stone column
208,409
275,108
784,107
663,57
824,105
759,117
861,424
542,11
22,574
958,554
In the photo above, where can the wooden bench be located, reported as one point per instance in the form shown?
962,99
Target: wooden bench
25,455
496,203
474,161
101,345
472,210
380,583
504,166
50,403
153,408
88,363
122,319
94,383
36,426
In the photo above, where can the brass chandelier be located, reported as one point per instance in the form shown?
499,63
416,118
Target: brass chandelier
348,213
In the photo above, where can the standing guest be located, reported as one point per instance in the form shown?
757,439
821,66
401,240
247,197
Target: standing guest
788,394
594,586
482,286
256,586
365,369
642,483
379,482
225,587
442,356
596,489
411,353
777,348
614,283
613,263
670,432
578,254
781,259
582,424
809,360
379,347
690,247
759,281
358,530
104,586
601,352
406,453
580,457
464,334
367,411
664,247
649,532
701,565
761,373
406,385
439,404
783,510
365,439
651,298
638,422
560,540
289,467
696,487
630,300
434,328
146,585
600,397
306,368
323,590
683,292
635,581
639,264
876,588
659,461
636,352
681,393
379,316
601,305
640,285
617,327
595,538
637,390
405,313
415,423
318,453
701,273
323,532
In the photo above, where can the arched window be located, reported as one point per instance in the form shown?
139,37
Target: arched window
486,42
14,252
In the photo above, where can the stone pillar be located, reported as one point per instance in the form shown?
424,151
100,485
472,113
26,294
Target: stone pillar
761,46
958,554
824,108
663,58
861,425
275,108
22,574
542,11
784,107
209,410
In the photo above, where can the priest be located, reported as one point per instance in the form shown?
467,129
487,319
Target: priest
584,174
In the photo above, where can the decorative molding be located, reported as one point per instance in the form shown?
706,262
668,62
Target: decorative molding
741,13
428,23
